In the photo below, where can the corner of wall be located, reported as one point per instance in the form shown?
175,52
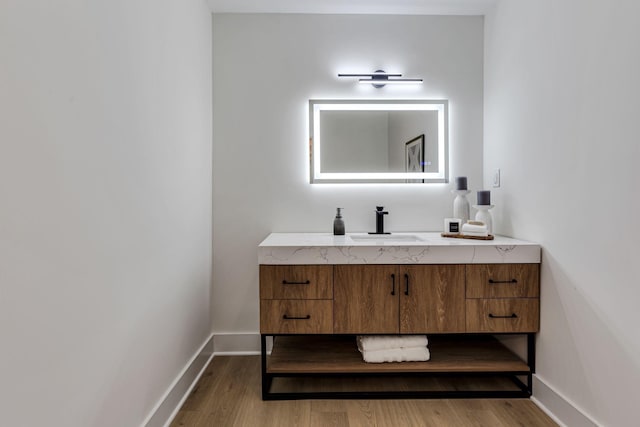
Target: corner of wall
562,410
236,344
168,406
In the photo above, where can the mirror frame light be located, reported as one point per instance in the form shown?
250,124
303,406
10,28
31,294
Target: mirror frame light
319,177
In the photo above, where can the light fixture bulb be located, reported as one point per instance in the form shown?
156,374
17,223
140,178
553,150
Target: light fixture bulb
379,78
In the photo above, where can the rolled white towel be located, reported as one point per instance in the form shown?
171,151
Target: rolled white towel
379,342
472,228
406,354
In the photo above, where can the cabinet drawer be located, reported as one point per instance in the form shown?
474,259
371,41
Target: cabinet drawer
503,315
296,316
296,282
503,280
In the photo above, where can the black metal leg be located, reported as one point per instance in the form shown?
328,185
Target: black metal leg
266,378
531,351
531,359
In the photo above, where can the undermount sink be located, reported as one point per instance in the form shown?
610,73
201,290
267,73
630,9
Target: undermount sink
385,238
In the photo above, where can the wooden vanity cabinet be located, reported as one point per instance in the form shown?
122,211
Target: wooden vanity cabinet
398,299
460,306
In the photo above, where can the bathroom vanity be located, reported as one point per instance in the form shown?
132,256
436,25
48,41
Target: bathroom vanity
319,290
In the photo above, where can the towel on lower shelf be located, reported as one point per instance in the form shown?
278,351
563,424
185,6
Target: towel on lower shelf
380,342
406,354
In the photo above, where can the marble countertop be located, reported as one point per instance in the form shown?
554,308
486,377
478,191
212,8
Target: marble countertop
397,248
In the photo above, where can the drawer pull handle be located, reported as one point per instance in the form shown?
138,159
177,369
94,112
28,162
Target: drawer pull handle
307,317
512,316
393,284
503,281
286,282
406,284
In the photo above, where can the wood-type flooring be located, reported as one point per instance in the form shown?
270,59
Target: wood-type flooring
229,394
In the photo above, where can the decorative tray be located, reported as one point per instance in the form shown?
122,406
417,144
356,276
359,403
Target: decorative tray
462,236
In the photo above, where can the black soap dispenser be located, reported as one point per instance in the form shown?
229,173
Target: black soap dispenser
338,224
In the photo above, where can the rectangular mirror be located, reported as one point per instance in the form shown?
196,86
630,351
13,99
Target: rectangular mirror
378,141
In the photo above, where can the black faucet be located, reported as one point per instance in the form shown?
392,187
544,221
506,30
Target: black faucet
380,220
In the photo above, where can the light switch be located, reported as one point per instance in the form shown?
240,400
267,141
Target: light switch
496,178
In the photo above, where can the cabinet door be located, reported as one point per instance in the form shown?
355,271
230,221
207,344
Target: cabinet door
432,298
365,299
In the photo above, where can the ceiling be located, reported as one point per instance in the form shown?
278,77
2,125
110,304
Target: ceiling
391,7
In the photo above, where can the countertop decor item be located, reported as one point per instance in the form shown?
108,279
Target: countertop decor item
338,223
461,183
452,225
475,228
484,197
484,215
463,236
461,205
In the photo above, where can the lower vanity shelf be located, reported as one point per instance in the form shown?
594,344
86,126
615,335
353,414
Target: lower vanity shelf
330,366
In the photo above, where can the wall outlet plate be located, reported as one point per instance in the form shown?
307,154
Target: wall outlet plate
496,178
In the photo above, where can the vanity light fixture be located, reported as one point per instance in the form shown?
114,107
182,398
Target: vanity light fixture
379,78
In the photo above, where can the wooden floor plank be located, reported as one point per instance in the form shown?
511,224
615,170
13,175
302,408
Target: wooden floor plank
229,395
360,413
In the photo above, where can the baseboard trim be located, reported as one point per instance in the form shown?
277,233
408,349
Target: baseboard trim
561,409
168,406
236,344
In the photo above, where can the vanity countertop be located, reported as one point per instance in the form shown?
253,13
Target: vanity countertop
398,248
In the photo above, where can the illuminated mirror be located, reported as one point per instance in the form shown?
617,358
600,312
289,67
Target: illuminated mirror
378,141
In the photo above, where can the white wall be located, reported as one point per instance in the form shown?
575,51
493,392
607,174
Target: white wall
105,206
562,101
265,70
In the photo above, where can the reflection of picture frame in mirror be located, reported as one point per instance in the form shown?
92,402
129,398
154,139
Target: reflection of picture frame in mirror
414,156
